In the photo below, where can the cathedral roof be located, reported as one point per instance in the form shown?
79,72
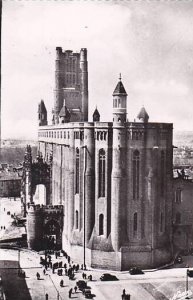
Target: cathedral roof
119,88
143,115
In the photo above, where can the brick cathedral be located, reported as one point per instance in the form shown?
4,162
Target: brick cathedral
108,185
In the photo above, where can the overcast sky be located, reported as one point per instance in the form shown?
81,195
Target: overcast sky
149,42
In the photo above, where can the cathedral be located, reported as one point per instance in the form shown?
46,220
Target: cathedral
108,185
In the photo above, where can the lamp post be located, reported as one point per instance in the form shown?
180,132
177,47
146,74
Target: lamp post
84,213
19,260
187,280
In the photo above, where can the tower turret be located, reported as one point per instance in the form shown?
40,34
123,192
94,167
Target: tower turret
119,103
58,85
84,83
42,114
96,116
143,115
64,114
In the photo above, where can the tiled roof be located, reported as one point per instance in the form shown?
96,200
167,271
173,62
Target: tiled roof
119,89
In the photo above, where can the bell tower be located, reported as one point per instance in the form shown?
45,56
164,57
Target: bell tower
119,103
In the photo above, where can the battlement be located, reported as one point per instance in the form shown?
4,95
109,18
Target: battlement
37,208
34,208
56,209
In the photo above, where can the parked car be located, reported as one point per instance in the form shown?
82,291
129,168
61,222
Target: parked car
86,289
179,259
108,277
136,271
87,293
190,273
81,284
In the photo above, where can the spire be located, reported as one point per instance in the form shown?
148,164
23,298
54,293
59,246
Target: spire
96,115
119,90
143,115
64,113
41,107
42,114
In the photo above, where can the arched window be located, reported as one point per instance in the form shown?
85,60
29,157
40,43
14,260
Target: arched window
135,224
136,174
101,224
101,173
178,218
77,171
162,172
76,219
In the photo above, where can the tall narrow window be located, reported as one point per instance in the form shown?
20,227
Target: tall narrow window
136,174
101,224
162,173
101,173
178,195
178,218
76,219
161,222
77,170
135,224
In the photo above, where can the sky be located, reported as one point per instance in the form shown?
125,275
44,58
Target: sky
149,42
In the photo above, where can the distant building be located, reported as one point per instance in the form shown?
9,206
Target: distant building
10,184
183,213
111,181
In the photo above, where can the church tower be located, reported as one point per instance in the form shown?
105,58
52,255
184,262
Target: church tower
119,103
118,166
71,84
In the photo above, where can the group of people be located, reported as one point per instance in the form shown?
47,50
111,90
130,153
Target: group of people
84,276
63,268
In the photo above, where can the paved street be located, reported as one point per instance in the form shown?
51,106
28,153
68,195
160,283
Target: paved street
8,206
158,285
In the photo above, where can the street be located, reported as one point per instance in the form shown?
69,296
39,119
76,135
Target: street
158,285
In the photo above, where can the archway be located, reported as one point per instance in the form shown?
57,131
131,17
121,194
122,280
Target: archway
52,238
40,194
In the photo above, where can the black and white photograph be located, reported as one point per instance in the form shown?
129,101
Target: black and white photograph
96,150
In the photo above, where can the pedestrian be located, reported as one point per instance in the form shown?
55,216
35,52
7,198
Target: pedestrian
46,296
83,275
123,291
44,271
70,293
62,283
38,276
75,288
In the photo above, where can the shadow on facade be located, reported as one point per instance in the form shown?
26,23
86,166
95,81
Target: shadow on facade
14,287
